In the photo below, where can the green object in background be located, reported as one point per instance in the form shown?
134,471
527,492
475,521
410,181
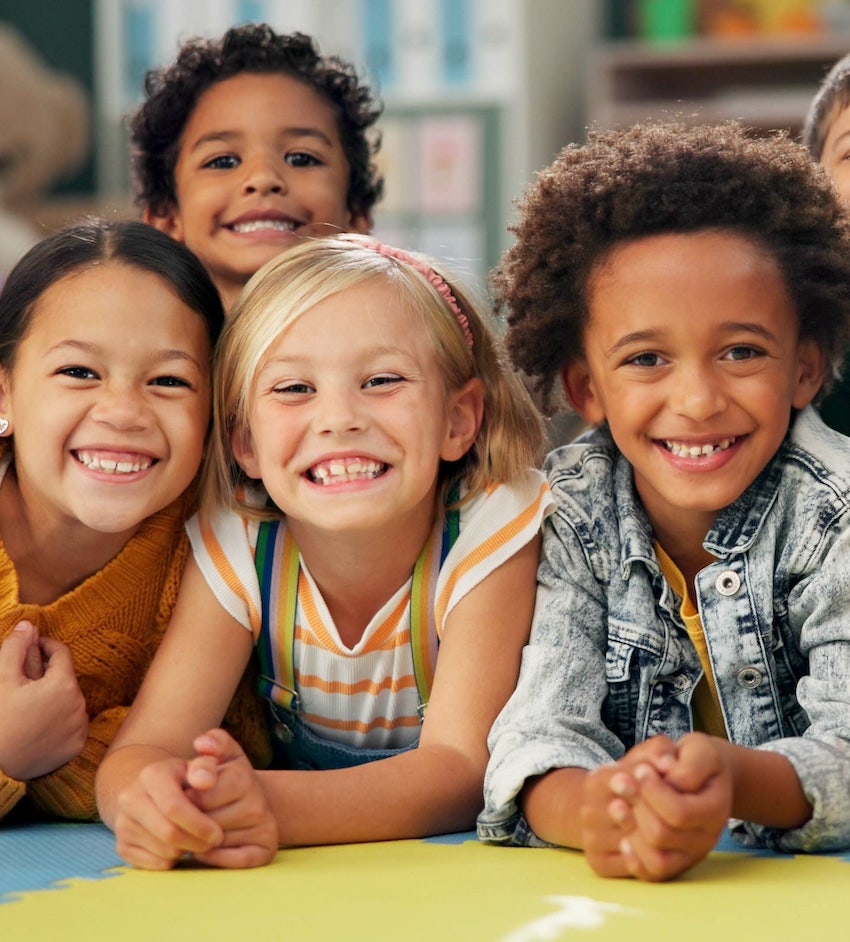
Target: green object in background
662,20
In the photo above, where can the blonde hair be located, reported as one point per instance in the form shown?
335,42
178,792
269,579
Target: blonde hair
511,437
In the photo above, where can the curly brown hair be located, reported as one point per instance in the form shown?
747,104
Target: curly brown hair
171,94
668,178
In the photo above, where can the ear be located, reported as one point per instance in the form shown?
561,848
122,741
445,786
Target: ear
581,395
465,412
811,369
243,452
170,222
5,403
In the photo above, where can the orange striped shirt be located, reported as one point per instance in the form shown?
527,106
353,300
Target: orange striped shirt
366,696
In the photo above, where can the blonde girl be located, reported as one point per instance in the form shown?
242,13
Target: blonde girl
371,521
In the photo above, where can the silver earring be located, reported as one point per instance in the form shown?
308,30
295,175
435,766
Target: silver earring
4,426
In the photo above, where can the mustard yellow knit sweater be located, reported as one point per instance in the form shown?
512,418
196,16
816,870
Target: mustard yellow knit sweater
113,623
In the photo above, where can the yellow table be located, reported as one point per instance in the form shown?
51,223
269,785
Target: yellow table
439,890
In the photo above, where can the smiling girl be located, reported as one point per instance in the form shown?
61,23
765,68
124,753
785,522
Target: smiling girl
370,497
106,337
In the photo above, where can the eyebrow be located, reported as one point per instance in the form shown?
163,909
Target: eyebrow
653,336
160,356
226,137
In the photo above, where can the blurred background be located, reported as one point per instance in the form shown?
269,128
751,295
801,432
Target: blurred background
478,94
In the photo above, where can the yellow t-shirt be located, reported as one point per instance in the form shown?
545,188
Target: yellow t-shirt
708,717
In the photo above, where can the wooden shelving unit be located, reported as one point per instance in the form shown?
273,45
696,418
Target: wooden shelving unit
766,83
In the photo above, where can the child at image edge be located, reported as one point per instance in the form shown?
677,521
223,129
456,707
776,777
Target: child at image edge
826,133
245,144
370,493
106,337
689,660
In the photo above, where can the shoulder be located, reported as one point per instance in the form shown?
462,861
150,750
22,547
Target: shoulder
816,462
595,504
519,504
816,445
589,478
583,464
221,528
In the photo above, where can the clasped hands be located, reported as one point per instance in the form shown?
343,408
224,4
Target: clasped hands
659,810
211,808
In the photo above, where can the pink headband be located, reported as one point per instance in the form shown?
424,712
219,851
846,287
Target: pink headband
432,278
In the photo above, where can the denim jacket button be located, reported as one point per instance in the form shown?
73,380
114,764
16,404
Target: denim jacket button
749,677
681,683
728,582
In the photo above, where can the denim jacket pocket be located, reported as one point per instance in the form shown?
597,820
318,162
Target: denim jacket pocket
622,668
789,666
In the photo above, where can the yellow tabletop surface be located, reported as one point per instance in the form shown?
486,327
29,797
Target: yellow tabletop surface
64,882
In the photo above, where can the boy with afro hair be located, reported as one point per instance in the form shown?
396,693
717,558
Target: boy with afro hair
689,662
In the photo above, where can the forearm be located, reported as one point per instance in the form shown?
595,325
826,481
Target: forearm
429,790
552,806
119,769
766,789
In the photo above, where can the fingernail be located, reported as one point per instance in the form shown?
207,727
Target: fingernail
622,785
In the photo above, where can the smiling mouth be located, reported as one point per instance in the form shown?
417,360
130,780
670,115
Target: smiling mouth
341,471
95,462
265,225
687,450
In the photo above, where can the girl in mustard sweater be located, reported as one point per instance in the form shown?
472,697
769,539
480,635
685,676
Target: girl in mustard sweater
106,333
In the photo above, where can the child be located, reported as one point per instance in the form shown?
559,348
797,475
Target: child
826,133
690,654
106,332
391,464
247,143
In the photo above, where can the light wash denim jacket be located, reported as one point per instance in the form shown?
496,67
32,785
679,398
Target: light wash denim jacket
609,663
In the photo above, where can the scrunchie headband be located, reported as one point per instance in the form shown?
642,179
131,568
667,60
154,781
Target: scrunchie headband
435,280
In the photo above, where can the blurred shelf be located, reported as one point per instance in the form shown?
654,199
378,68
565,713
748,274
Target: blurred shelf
767,83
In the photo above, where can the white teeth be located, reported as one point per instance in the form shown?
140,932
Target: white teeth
684,450
257,225
339,471
108,465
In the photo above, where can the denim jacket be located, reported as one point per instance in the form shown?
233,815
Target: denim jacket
609,663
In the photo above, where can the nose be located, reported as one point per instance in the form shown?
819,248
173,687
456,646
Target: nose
263,174
697,394
121,408
338,412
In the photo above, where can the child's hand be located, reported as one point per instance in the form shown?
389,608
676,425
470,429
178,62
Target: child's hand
223,784
156,821
607,815
677,809
44,722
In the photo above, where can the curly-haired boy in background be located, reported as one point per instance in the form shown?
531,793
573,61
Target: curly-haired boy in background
251,141
689,661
